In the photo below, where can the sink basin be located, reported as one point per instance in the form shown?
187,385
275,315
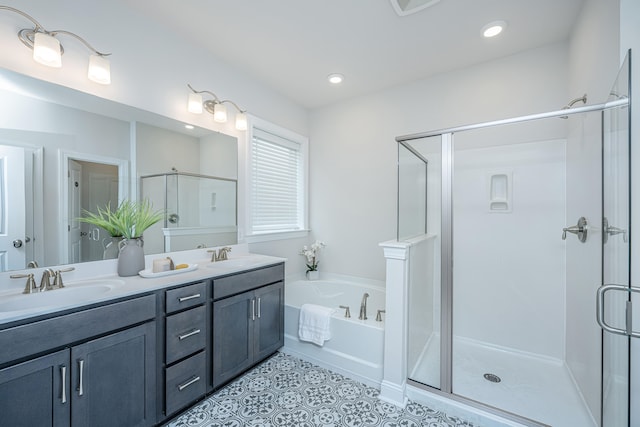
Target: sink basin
72,293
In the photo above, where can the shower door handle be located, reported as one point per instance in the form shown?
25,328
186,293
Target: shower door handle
608,230
600,309
580,230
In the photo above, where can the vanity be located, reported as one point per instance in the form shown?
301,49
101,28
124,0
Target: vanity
142,352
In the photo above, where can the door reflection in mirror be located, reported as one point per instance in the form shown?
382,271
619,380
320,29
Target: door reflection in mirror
91,185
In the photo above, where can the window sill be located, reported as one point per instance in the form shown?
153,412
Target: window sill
276,235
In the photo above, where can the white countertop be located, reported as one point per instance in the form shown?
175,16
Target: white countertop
16,306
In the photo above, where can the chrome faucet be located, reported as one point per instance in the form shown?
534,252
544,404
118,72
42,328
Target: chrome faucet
31,286
45,282
363,307
221,255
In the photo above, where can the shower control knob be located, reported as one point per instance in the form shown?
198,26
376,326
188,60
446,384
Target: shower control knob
579,230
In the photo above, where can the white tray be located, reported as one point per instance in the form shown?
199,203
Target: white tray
149,274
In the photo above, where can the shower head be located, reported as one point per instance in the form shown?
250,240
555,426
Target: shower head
583,98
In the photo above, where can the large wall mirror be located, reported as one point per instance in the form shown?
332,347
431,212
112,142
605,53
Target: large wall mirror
63,152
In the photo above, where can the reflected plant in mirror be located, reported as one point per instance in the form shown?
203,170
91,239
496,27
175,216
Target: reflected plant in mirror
128,221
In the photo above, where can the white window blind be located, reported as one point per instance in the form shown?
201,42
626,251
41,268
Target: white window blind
276,183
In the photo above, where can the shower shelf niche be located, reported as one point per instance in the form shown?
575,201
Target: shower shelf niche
500,188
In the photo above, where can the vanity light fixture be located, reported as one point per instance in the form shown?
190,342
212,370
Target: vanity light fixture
48,51
216,107
494,28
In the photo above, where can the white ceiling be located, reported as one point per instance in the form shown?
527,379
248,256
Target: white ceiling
292,45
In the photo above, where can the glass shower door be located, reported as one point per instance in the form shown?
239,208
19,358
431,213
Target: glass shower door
616,295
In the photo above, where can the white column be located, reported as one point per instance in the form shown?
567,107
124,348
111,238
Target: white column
394,378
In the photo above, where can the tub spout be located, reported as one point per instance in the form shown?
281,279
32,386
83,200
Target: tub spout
347,313
363,307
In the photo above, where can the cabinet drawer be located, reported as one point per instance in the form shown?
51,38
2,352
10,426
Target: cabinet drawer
185,382
238,283
36,337
185,333
186,296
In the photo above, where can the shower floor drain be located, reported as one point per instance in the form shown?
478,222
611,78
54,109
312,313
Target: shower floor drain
492,377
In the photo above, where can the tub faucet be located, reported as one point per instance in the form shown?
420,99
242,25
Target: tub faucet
363,307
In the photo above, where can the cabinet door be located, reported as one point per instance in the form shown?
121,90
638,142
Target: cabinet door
36,393
269,328
114,379
233,320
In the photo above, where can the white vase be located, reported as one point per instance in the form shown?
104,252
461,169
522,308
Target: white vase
131,257
313,275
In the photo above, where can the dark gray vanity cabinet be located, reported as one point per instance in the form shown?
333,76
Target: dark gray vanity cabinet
110,377
248,320
98,368
33,393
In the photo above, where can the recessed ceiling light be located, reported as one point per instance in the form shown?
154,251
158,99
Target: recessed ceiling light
188,126
335,78
494,28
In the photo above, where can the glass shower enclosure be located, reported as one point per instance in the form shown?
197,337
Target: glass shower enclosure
503,282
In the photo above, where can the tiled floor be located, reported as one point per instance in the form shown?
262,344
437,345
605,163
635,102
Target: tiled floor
286,391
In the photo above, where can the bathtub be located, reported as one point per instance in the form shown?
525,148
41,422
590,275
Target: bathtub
356,346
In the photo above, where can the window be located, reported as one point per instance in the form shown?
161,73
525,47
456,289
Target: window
277,182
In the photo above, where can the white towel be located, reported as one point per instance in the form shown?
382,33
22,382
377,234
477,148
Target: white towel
315,323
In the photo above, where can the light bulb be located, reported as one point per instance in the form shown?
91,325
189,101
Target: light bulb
46,50
195,103
241,121
220,113
99,69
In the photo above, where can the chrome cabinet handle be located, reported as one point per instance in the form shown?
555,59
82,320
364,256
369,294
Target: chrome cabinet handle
63,374
189,334
259,307
579,230
183,299
80,380
253,309
188,383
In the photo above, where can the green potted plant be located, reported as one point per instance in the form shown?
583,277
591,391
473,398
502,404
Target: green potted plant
127,223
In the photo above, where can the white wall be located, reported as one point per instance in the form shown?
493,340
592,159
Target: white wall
353,153
509,265
593,65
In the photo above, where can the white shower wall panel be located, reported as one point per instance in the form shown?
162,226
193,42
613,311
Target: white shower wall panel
509,267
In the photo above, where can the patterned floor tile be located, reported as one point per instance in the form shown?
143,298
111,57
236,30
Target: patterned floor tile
287,391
